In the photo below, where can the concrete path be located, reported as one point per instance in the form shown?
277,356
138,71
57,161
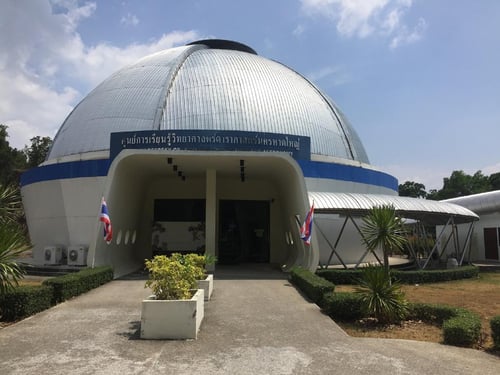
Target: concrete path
256,323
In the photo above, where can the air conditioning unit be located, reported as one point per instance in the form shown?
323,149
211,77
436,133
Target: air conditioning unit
52,255
77,255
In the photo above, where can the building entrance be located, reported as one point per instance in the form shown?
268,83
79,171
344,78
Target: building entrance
244,228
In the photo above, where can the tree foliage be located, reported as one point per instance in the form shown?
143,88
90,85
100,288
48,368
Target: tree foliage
383,229
459,184
38,151
381,298
412,189
12,161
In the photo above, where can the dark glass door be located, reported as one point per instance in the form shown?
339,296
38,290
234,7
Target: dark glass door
243,231
491,243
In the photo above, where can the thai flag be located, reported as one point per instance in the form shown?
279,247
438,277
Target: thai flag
306,228
108,231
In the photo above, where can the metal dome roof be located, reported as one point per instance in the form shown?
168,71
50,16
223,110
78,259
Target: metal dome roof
208,85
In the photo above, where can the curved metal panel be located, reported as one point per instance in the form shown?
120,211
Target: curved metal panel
231,90
479,203
126,101
433,212
200,87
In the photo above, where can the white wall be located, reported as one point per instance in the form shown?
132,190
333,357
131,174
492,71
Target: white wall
62,212
350,246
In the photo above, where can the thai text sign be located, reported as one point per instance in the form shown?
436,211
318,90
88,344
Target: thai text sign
299,147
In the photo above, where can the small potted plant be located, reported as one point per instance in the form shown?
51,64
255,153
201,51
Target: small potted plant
204,280
176,308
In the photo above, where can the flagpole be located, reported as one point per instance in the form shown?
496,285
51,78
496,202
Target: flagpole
97,231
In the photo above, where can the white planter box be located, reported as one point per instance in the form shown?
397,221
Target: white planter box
172,319
207,285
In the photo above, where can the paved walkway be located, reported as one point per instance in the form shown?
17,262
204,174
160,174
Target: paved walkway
256,323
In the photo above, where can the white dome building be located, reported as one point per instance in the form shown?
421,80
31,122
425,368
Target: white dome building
205,147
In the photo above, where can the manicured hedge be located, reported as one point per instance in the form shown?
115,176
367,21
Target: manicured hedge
313,286
495,331
464,329
350,276
24,301
343,306
461,327
73,284
431,313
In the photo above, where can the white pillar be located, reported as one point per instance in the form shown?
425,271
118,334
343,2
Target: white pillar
211,214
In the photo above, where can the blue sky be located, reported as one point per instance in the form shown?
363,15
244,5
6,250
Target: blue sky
418,79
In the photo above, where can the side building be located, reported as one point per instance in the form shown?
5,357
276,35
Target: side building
485,239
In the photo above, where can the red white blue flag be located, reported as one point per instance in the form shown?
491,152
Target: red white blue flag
306,228
104,217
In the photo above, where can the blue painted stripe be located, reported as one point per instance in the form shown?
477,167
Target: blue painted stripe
315,169
60,171
312,169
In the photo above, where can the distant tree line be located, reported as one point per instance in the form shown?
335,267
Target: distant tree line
459,184
13,161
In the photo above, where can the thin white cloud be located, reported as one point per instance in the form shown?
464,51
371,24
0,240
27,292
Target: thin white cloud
45,67
333,75
405,37
364,18
130,20
299,30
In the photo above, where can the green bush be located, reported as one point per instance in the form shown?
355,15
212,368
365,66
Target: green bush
312,285
24,301
495,331
464,329
350,276
381,298
172,278
73,284
436,276
343,306
431,313
460,326
340,276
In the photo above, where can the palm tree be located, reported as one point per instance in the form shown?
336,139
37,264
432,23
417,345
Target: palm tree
381,298
12,245
382,228
12,240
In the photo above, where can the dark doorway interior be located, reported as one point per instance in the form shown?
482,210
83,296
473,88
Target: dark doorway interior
491,243
243,231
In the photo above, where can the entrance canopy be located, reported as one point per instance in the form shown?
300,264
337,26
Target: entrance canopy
430,212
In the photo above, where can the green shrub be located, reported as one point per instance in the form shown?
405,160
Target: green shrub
350,276
312,285
340,276
24,301
495,331
436,276
464,329
342,306
73,284
381,298
431,313
460,326
172,278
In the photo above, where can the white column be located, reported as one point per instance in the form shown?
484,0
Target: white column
211,214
